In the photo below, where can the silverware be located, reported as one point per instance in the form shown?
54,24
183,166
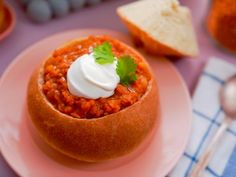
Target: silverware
228,102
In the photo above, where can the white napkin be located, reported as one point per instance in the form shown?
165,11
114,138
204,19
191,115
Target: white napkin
207,116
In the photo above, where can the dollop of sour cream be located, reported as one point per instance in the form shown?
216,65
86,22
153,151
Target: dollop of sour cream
88,79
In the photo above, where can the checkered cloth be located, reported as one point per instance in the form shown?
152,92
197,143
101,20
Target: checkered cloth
207,117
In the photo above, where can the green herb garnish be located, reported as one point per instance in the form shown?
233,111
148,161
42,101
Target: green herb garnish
126,66
126,69
103,54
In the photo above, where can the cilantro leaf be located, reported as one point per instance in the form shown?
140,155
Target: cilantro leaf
126,69
103,53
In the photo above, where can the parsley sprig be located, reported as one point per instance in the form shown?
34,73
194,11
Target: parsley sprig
125,68
103,54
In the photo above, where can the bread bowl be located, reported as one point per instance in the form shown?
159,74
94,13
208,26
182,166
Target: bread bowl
90,136
162,27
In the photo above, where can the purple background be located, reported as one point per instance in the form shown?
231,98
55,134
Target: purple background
104,16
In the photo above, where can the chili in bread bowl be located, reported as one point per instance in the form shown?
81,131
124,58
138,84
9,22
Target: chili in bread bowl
88,129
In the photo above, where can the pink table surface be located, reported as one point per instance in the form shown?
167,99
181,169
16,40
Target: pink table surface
104,16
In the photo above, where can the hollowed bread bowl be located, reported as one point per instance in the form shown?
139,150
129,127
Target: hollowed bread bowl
96,139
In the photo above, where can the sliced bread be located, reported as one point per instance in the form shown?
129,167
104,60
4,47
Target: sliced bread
162,26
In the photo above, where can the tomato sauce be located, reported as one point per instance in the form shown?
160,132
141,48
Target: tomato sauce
55,83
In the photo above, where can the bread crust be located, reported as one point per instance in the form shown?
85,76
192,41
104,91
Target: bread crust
97,139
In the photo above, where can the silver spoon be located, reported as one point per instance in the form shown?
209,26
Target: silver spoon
228,102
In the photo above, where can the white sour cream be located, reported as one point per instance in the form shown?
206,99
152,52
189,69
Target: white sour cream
88,79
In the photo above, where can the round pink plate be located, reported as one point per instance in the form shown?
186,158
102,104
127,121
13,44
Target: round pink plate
28,160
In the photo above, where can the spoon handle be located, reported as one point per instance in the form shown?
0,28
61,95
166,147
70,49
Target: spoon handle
207,154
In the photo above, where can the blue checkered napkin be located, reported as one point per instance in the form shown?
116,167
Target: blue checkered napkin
207,116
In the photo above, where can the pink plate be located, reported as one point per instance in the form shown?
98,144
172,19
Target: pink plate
28,160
